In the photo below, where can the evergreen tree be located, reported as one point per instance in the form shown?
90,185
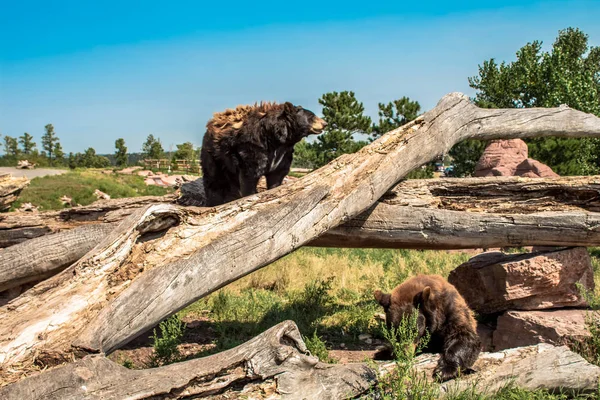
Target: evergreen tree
49,141
121,153
568,74
59,155
185,151
11,146
305,155
27,143
344,116
152,148
71,162
395,114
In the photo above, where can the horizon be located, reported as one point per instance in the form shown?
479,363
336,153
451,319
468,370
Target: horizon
99,73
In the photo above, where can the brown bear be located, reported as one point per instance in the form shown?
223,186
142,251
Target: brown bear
443,313
245,143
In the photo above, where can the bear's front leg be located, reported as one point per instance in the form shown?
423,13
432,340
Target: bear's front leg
248,184
459,355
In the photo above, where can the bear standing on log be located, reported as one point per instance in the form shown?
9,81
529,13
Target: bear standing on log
245,143
443,313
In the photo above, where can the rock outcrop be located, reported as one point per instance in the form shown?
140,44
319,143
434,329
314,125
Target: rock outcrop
494,282
524,328
510,158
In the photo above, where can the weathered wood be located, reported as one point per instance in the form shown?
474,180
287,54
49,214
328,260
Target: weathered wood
539,367
18,227
164,257
45,256
10,188
277,353
423,214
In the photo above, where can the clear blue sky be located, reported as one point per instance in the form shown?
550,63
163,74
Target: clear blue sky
100,70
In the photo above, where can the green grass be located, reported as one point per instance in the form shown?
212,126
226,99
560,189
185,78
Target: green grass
45,192
329,294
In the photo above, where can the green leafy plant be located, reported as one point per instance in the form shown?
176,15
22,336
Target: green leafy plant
316,346
165,345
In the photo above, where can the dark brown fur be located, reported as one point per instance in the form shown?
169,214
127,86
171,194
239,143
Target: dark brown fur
245,143
443,313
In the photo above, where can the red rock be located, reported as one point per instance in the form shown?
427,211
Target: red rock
501,158
510,158
493,282
534,169
524,328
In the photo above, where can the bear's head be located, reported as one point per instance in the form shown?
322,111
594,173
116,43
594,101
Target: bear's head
294,123
399,305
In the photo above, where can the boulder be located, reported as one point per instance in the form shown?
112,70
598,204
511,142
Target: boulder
534,169
542,366
524,328
501,158
510,158
494,282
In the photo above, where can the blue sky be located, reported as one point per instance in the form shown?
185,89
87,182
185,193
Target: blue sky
102,70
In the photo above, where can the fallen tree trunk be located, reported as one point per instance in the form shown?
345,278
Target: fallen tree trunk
19,227
423,214
278,355
164,257
40,258
10,188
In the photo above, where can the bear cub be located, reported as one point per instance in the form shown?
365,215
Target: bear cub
443,313
242,144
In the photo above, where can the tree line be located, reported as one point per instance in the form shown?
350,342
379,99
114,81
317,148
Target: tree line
569,73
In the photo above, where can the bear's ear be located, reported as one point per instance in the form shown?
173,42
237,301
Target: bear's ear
384,299
426,294
423,297
289,107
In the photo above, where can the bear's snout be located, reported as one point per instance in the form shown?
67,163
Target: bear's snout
318,125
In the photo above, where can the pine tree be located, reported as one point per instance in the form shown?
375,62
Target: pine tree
121,153
395,114
27,143
11,146
344,116
49,141
152,148
59,155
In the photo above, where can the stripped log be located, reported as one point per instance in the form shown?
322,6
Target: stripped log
164,257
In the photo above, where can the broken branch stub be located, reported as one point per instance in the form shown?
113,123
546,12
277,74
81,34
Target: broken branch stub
130,282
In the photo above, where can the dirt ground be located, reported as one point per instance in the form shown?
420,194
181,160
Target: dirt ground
31,173
198,339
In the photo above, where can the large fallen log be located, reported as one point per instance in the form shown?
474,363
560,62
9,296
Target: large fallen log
19,227
164,257
539,367
423,214
278,355
40,258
